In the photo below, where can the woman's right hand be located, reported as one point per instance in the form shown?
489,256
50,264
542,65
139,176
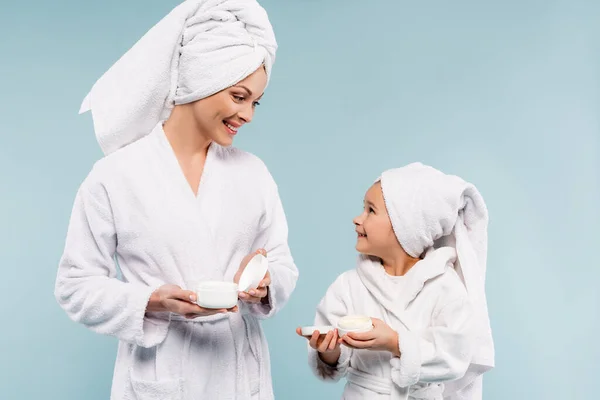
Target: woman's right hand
183,302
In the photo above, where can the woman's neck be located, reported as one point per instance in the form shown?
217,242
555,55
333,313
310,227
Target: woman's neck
183,133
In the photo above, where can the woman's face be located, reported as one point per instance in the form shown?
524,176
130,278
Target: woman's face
221,115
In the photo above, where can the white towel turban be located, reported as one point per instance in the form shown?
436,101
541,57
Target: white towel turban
427,207
200,48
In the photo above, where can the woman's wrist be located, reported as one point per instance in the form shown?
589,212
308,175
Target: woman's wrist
265,300
394,345
155,303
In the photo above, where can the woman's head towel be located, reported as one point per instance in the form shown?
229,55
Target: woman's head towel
426,207
200,48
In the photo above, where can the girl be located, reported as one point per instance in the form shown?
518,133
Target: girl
420,277
173,203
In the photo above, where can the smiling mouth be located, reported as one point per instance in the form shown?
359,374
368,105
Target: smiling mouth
360,235
230,128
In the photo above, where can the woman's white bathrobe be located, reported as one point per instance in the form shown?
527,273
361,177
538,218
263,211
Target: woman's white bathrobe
430,310
137,207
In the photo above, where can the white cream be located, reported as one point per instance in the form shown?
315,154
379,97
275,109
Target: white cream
354,323
217,294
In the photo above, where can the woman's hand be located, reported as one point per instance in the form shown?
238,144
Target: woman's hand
258,295
381,337
183,302
326,344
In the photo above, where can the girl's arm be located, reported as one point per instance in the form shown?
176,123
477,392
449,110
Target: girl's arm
439,353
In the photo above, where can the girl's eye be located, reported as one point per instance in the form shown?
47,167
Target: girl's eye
238,98
371,210
256,103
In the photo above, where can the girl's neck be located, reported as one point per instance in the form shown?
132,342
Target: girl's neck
398,264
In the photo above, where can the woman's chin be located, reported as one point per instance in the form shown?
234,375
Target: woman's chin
224,142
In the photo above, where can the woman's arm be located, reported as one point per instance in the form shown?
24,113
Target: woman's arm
86,285
273,237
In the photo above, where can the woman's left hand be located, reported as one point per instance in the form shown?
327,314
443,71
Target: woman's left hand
381,337
258,295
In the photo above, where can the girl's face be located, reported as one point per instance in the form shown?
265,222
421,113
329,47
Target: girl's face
375,233
220,116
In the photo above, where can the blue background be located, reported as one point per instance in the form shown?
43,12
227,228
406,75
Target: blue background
505,94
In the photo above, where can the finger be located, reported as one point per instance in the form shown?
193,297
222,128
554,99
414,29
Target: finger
249,299
186,308
206,313
325,343
334,340
363,336
183,295
357,344
243,295
258,292
261,251
266,280
201,313
314,340
182,307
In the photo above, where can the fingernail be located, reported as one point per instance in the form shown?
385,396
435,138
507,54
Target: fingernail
192,298
243,295
252,292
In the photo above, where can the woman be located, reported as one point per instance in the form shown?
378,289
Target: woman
172,203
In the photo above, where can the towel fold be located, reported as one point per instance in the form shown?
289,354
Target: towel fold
200,48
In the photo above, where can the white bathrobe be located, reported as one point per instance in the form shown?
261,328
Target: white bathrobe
428,307
137,207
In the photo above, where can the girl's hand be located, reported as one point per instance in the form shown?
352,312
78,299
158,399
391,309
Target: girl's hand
326,344
381,337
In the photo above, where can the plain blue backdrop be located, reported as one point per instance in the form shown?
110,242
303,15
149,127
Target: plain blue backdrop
505,94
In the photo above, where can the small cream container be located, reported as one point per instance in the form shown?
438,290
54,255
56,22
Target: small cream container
216,294
354,324
323,330
254,273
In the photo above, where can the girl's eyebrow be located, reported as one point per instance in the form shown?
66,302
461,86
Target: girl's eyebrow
370,204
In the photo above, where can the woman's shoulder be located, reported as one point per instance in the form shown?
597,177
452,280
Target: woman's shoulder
246,164
243,157
122,159
113,167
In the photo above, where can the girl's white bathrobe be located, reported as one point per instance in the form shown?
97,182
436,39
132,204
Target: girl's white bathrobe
428,307
137,207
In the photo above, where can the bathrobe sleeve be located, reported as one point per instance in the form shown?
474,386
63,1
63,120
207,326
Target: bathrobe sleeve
273,237
439,353
333,306
87,287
